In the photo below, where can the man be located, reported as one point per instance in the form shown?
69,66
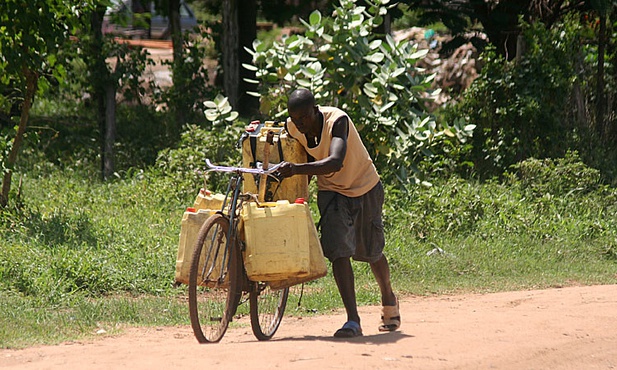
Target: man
350,200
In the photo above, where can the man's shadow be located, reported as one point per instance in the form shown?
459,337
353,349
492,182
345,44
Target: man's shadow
385,338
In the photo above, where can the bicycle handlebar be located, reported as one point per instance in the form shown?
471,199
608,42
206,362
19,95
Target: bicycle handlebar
257,171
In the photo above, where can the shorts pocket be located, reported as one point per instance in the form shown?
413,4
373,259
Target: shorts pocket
377,237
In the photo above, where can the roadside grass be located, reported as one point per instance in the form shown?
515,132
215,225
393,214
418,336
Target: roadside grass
26,322
81,257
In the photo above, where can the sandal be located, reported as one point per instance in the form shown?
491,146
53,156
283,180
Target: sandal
390,318
351,329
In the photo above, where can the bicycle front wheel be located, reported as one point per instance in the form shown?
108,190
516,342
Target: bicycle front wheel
214,281
267,308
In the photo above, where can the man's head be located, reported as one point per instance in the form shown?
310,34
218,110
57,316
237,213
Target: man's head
303,111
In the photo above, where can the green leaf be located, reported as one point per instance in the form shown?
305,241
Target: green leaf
315,18
232,116
397,72
370,87
293,39
375,44
386,107
212,115
419,54
250,67
221,101
375,58
226,109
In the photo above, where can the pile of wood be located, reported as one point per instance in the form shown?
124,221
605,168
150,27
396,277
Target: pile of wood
454,73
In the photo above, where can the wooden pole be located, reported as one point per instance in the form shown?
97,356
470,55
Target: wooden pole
263,181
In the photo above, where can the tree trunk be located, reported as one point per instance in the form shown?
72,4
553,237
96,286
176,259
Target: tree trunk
175,29
579,99
31,87
500,23
96,63
247,28
600,98
231,65
110,131
176,40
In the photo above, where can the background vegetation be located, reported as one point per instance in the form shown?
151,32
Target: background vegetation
510,185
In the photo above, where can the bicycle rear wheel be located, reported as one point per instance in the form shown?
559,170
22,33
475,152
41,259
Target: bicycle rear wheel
267,307
214,281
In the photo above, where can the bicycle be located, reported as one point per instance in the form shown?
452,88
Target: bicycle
217,278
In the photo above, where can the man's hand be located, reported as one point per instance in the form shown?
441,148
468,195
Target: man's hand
286,170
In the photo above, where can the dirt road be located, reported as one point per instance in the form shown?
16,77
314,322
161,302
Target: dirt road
566,328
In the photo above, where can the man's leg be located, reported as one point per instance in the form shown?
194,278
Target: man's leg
343,275
381,270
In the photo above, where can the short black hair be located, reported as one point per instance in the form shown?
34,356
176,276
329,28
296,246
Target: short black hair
301,98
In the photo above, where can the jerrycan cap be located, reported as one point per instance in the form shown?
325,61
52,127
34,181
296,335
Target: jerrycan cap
252,126
300,201
191,209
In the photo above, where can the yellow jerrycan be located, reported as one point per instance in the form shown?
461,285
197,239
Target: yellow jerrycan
284,148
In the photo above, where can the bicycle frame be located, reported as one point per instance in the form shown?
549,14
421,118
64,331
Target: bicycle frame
234,204
220,301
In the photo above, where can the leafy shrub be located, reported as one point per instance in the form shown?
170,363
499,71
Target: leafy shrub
184,164
372,77
450,207
557,176
191,83
79,237
524,108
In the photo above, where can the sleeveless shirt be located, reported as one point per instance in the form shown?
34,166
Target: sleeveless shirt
358,174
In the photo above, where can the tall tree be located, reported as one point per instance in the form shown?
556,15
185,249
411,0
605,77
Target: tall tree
107,79
499,19
103,88
602,7
239,31
176,40
31,33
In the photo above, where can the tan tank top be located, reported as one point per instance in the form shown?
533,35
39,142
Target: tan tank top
358,174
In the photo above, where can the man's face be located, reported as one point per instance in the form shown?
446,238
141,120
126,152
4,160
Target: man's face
305,119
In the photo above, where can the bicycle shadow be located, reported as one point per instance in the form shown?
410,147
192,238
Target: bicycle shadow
382,338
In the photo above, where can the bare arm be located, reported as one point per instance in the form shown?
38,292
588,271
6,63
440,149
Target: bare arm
330,164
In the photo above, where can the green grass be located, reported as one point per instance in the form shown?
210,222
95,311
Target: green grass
25,321
79,255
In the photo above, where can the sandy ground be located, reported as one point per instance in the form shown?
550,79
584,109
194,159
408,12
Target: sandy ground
565,328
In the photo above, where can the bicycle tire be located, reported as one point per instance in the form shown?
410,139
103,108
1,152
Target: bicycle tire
267,307
214,281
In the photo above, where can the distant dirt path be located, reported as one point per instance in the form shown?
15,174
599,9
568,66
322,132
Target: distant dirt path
566,328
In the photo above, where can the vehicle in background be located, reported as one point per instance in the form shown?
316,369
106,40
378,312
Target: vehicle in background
129,19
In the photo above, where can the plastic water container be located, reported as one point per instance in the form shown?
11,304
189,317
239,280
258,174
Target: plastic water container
207,200
318,267
285,148
277,240
192,220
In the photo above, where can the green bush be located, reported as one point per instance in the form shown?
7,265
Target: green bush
184,164
372,77
83,238
559,176
191,83
524,108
